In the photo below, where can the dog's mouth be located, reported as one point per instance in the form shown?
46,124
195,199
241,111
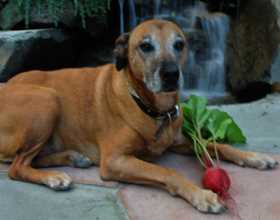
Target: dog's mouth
171,92
163,85
162,89
165,79
170,86
165,100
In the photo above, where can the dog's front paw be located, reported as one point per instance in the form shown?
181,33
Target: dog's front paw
260,161
206,201
58,181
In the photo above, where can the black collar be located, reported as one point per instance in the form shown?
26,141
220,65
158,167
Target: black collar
164,117
171,114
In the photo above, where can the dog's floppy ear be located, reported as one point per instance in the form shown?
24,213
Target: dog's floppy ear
121,50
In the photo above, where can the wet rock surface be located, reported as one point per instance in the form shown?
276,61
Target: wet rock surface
27,201
35,49
253,42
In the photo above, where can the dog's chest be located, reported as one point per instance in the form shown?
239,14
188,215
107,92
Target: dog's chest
163,141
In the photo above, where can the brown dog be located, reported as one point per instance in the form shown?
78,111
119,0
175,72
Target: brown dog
109,116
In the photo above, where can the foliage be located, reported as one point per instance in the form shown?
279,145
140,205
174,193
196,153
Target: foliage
205,125
165,2
2,3
55,8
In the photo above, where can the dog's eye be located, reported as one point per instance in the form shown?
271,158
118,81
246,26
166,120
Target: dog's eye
179,45
146,47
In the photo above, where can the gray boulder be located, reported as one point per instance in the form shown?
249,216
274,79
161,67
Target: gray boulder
34,49
253,43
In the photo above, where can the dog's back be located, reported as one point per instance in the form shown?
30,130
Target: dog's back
69,75
81,92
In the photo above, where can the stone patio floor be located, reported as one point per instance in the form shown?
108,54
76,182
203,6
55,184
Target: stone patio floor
256,193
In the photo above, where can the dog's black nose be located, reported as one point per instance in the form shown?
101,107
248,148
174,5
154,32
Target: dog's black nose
169,74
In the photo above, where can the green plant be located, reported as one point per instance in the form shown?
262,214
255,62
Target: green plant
55,8
206,126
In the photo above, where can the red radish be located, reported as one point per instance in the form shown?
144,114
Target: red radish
217,180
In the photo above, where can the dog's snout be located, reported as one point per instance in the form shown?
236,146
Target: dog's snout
169,74
169,71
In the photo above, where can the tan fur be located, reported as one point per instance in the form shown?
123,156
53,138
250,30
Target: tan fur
81,116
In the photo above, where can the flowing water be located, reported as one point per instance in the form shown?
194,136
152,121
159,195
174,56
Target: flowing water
157,4
205,69
204,72
132,14
121,5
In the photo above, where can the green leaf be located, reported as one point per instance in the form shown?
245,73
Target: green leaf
235,135
217,124
223,128
212,124
188,128
195,110
202,126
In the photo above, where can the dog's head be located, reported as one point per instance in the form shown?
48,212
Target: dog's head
154,53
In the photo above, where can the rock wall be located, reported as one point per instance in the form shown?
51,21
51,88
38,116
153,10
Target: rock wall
34,49
42,46
253,42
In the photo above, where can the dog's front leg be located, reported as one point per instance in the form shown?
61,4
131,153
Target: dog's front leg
227,152
130,169
243,158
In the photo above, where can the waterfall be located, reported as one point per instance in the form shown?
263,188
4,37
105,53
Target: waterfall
205,69
157,4
132,14
216,27
121,5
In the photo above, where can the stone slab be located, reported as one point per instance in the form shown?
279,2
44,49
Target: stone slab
27,201
145,203
256,193
88,176
259,121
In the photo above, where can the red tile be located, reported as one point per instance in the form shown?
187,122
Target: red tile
256,193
